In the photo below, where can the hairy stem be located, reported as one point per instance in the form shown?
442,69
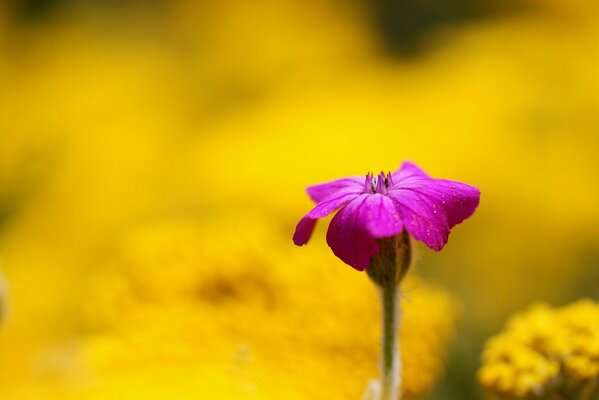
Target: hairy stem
390,363
387,269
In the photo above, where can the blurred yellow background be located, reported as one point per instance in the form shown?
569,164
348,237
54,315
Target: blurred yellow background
153,159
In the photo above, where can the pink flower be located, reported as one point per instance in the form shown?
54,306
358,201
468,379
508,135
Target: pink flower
383,206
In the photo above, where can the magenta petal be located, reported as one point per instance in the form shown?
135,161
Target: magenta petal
354,231
408,170
305,226
319,192
348,237
379,215
332,202
459,200
429,207
422,218
303,231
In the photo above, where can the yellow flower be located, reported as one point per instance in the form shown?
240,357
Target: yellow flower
544,351
581,351
231,306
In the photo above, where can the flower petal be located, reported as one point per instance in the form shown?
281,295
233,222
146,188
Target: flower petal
353,232
319,192
349,239
459,200
408,170
303,231
305,226
430,207
332,202
380,216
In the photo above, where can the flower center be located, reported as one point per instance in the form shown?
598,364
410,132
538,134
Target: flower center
378,183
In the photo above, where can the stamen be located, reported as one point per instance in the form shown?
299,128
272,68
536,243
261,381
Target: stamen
389,179
378,183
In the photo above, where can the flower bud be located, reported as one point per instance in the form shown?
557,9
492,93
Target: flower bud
391,263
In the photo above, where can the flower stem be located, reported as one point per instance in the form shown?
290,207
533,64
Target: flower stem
390,365
387,269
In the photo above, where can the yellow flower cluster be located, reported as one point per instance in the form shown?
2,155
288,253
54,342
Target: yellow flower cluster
229,309
545,352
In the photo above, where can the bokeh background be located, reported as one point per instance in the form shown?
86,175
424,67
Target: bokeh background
153,159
